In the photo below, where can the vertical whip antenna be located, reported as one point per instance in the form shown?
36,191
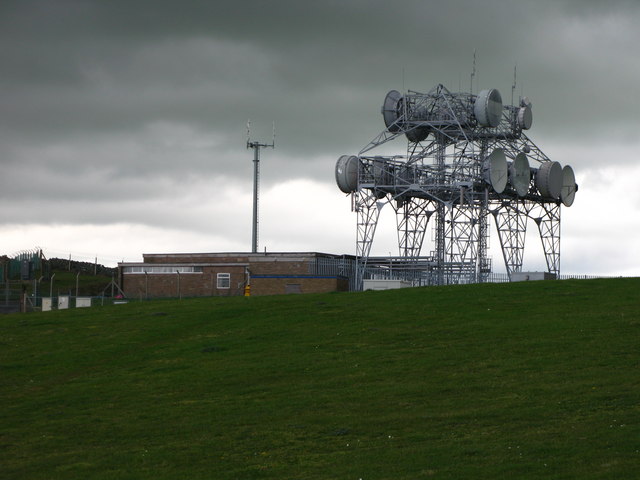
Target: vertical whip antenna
403,87
273,138
473,71
513,87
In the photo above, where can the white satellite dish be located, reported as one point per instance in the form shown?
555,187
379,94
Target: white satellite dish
520,174
496,170
347,168
488,108
525,117
569,187
391,110
549,180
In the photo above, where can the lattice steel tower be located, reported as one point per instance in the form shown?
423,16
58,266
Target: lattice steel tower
467,159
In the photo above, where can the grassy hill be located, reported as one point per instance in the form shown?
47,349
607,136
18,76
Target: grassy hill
52,277
65,283
528,381
90,279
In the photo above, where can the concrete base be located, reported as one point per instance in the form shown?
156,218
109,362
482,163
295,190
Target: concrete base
526,276
384,284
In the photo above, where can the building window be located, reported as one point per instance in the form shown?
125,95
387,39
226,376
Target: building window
224,280
162,269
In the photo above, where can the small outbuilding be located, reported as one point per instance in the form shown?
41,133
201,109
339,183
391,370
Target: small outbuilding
229,274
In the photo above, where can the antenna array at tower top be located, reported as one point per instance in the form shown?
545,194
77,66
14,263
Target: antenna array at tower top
467,156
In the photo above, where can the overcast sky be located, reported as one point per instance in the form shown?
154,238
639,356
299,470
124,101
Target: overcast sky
123,123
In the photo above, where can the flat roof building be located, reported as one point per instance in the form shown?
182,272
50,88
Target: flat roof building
231,274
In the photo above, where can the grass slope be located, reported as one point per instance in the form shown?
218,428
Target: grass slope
530,380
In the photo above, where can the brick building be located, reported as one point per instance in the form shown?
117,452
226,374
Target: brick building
227,274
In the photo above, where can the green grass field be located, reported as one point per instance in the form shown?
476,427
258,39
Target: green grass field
526,381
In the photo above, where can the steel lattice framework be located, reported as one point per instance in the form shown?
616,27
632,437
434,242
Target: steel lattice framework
467,159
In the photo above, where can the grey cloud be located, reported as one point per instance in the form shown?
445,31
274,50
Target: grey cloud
113,104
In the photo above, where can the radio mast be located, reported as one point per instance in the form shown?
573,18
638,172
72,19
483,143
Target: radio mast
256,146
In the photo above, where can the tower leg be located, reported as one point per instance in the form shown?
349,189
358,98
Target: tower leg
367,206
412,217
440,244
547,217
511,224
483,262
549,227
483,266
462,235
441,210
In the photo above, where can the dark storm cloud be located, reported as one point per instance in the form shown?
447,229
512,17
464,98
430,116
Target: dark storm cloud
120,64
109,99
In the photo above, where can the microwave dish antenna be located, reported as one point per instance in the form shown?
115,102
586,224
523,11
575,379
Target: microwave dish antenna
549,180
569,186
496,170
347,170
520,174
392,110
488,108
525,117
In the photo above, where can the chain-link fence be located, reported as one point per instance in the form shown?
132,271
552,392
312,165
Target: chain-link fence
31,282
16,298
12,297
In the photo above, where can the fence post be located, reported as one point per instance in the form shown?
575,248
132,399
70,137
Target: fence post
23,299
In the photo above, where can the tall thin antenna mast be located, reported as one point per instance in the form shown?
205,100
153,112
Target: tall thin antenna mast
403,88
256,146
513,87
473,72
